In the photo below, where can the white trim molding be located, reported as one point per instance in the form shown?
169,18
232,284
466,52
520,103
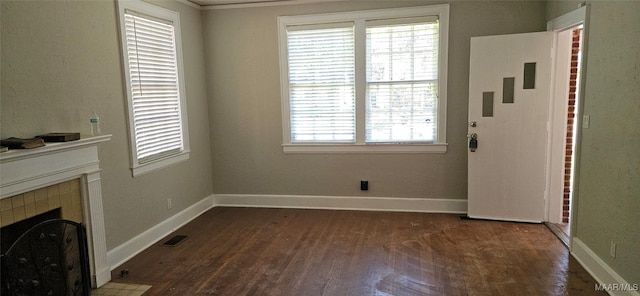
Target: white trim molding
120,254
568,20
190,4
222,4
365,148
600,271
93,213
389,204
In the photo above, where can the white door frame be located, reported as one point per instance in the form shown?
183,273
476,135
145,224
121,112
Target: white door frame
557,126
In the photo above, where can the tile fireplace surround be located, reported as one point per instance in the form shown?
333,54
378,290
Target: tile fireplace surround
23,171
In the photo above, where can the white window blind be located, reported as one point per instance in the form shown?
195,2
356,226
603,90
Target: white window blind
321,84
155,95
372,81
402,81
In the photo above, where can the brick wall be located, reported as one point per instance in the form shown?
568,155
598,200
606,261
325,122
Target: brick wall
573,82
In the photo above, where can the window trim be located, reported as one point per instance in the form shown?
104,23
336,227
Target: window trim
365,148
360,146
173,17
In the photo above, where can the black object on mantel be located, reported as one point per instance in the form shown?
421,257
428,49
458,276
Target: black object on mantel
60,137
18,143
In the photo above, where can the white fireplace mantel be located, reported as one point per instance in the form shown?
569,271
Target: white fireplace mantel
30,169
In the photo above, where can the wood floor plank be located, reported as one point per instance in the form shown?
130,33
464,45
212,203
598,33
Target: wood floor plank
250,251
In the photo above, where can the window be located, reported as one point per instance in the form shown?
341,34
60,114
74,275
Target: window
152,59
322,84
367,81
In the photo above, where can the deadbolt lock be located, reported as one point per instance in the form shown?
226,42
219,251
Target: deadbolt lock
473,142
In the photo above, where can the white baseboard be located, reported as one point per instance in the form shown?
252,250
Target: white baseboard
599,270
126,251
391,204
102,277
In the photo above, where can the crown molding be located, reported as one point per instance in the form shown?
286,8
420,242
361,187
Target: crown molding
264,4
190,4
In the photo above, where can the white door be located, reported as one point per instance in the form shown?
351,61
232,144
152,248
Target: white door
508,115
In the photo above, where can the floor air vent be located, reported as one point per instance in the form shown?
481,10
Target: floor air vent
174,241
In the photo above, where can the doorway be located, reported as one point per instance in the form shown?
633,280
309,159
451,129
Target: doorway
564,120
570,143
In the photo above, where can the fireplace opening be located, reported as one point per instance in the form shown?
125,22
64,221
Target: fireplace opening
45,255
10,233
50,258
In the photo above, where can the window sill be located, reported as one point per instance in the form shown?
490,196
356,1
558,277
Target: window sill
364,148
141,169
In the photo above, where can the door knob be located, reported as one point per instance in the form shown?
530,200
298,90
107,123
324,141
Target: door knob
473,124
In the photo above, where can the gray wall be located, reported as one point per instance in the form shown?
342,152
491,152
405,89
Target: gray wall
245,107
60,61
608,193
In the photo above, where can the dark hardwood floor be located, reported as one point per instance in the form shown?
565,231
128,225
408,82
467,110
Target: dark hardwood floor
248,251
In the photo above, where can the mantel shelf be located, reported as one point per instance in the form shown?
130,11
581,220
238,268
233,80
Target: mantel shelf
51,147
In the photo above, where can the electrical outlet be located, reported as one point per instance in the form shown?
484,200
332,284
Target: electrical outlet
169,204
612,250
364,185
585,121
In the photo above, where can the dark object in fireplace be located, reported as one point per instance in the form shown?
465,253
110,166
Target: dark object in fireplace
51,258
